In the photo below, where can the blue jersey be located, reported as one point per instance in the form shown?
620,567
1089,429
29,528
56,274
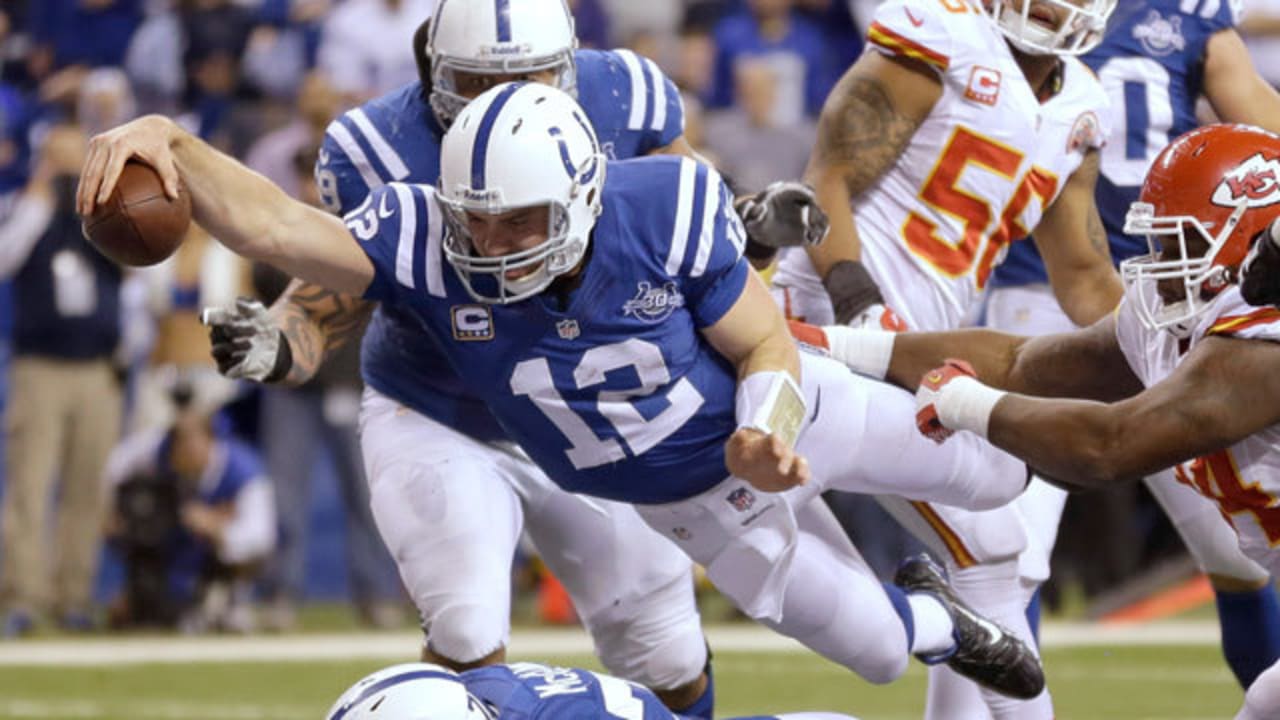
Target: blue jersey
635,110
611,389
1151,65
532,691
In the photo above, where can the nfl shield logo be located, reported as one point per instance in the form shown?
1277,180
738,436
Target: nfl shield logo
568,329
741,499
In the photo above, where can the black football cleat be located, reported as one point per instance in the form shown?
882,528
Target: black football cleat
985,652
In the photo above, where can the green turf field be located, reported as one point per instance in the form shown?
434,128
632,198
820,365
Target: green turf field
1167,682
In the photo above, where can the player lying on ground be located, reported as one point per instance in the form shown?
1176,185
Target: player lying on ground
519,691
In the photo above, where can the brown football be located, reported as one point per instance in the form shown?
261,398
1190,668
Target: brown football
138,225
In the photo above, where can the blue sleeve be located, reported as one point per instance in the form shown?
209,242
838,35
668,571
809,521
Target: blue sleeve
674,127
1228,15
342,186
712,270
395,230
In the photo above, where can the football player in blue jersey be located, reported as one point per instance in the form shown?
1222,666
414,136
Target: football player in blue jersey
449,492
604,313
519,691
1157,59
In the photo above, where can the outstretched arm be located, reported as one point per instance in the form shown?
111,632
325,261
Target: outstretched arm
1086,363
1224,391
242,209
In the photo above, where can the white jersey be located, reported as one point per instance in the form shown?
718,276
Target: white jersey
977,174
1244,479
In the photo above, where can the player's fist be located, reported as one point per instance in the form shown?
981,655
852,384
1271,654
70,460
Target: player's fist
1260,272
878,317
765,461
931,387
246,343
785,214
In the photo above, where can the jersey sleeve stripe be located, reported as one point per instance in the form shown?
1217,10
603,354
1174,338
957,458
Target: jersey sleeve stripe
648,95
387,155
710,208
1231,324
404,246
736,232
899,45
635,121
659,95
684,215
435,251
355,154
420,245
698,230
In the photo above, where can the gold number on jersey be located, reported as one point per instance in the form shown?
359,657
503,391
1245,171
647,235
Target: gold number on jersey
955,6
1217,478
941,192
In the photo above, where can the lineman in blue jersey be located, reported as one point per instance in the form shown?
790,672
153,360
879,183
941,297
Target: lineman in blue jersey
605,314
519,691
450,493
1158,58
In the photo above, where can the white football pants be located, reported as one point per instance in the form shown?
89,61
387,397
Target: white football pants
451,510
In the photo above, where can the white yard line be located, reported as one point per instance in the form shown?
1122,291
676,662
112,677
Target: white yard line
110,651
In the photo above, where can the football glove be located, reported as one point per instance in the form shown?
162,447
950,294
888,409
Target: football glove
785,214
246,343
927,395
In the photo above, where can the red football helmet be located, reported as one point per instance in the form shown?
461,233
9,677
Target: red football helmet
1205,198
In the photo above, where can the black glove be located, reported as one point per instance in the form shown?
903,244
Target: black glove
785,214
1260,271
246,344
852,290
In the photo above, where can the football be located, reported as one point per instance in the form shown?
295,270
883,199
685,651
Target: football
139,225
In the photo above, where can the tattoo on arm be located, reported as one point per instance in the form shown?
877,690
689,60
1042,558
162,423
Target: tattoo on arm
317,321
1098,235
1088,174
862,131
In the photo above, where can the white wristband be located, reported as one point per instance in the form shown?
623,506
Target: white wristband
966,404
866,352
771,402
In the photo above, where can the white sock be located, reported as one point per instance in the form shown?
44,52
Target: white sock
932,623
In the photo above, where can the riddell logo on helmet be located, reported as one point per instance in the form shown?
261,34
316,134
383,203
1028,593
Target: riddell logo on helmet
506,49
1255,182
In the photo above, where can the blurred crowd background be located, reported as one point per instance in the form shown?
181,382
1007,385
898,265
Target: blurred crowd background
141,489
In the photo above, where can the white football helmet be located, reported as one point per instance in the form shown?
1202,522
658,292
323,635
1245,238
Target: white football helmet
1080,26
412,691
497,37
520,145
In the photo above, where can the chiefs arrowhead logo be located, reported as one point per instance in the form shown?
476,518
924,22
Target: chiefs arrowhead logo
1255,182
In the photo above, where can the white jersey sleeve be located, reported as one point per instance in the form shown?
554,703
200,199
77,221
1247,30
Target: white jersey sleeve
916,29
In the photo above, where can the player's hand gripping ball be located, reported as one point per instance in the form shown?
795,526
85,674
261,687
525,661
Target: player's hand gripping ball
139,225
